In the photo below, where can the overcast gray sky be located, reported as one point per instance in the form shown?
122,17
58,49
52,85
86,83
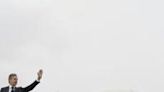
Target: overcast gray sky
83,45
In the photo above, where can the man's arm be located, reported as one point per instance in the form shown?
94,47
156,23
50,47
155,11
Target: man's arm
31,86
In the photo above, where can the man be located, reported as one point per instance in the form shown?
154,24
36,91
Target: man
12,79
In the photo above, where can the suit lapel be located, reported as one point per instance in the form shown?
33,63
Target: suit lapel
16,89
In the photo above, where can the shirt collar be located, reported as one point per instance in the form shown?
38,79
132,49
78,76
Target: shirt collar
11,86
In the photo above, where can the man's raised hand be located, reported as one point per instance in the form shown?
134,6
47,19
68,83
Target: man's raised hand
40,73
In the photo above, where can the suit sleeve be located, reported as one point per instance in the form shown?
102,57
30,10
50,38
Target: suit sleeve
31,86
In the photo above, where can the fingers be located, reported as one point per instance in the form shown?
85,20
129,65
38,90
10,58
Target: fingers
40,71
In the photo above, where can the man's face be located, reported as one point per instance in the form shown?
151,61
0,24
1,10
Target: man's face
13,81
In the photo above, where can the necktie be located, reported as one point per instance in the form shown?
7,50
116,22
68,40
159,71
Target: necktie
12,89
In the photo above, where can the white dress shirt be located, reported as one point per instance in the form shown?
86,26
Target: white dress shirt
10,88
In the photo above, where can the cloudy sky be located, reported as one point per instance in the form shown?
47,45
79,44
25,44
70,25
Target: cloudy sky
83,45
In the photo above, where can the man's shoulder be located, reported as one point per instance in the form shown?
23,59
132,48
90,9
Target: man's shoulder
5,87
18,87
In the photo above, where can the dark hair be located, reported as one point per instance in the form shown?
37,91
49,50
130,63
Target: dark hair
12,75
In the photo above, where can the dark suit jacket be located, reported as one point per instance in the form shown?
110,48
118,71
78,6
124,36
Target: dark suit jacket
21,89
